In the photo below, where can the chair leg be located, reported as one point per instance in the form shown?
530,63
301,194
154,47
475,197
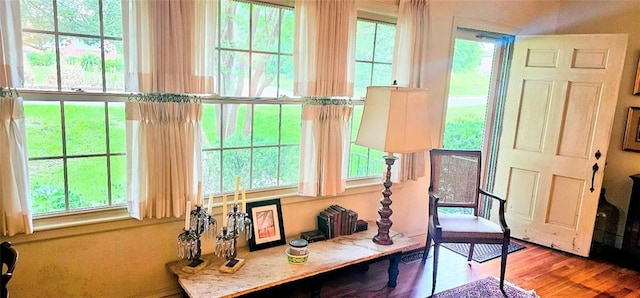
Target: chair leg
471,246
436,250
503,263
427,246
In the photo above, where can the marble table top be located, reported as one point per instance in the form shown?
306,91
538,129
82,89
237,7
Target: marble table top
269,267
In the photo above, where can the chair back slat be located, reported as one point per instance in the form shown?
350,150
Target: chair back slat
455,177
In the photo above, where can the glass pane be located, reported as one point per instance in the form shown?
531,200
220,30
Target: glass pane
211,172
211,126
385,38
362,79
365,34
235,163
382,75
289,165
114,65
265,165
266,124
234,73
39,54
85,128
234,20
355,121
291,124
237,125
87,182
46,181
112,11
358,161
264,75
36,14
79,16
80,63
118,180
286,76
117,128
376,162
286,31
44,128
266,22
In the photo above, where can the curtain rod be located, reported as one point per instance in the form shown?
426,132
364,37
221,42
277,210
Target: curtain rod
163,97
8,91
322,101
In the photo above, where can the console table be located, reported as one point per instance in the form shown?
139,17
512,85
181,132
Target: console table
269,267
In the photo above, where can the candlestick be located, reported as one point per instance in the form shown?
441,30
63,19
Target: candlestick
235,197
244,200
187,216
224,211
199,195
210,204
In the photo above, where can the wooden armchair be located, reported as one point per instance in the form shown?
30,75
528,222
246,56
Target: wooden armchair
455,183
9,257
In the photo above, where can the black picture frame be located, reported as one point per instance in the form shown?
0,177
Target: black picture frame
268,229
631,140
636,86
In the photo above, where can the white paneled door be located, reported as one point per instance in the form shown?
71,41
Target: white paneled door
558,113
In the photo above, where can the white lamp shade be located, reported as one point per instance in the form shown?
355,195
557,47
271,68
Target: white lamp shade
395,120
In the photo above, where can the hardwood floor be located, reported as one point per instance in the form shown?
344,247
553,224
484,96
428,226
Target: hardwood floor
549,272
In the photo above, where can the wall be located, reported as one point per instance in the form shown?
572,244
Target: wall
612,17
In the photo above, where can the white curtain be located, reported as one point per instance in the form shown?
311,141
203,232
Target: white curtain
14,175
410,68
11,65
170,45
324,149
163,157
324,47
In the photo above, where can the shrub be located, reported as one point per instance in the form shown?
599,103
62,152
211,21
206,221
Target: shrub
41,59
113,65
90,62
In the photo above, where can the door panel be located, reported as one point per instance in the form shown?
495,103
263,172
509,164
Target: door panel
558,112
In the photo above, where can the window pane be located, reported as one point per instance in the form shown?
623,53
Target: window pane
46,181
286,31
358,161
44,128
289,165
385,39
362,79
234,20
114,65
264,75
266,21
265,165
79,16
211,126
291,124
112,11
85,128
211,172
381,75
376,162
117,128
266,125
118,180
39,54
235,163
36,14
234,73
355,121
80,63
237,125
286,76
87,182
365,34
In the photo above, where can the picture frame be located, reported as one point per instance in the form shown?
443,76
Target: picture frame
268,229
636,86
631,141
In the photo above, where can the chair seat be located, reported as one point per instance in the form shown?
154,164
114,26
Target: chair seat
469,226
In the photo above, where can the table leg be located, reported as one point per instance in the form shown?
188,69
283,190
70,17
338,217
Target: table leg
394,260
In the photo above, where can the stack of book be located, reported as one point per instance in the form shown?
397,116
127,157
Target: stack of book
336,221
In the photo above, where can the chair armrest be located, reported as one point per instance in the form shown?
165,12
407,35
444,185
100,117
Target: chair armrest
433,207
503,222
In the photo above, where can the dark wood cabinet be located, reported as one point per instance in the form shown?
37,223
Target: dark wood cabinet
631,240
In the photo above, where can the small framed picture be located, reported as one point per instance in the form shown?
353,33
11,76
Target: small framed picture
631,140
268,229
636,86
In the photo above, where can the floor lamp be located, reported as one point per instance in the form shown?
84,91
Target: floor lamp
394,120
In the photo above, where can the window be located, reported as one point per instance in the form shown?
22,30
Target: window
374,54
72,44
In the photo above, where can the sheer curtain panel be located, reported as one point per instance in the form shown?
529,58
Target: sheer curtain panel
410,68
14,175
11,65
163,157
170,45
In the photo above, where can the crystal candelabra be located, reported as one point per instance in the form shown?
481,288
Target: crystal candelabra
226,241
189,245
